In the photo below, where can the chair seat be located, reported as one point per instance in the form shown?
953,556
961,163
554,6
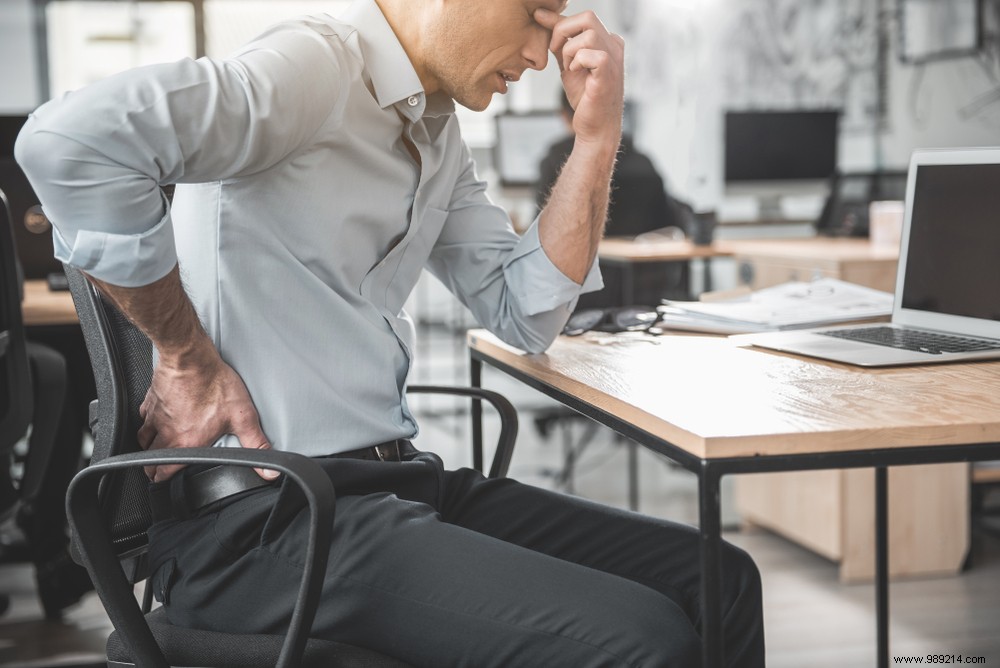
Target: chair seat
210,649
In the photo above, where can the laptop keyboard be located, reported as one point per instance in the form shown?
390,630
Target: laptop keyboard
914,339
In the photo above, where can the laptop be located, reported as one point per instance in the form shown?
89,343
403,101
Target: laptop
947,300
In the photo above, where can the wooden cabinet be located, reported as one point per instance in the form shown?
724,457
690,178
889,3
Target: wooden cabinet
765,263
831,512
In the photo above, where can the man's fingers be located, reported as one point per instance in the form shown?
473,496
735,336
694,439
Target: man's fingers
568,27
548,20
145,435
585,40
252,436
589,59
166,472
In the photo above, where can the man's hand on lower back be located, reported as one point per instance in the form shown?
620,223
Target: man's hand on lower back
195,397
193,405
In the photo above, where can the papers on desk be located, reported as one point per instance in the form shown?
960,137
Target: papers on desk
794,305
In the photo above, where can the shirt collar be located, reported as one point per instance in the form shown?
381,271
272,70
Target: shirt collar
392,74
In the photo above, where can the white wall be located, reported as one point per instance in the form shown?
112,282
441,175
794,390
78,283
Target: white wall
18,70
946,103
690,59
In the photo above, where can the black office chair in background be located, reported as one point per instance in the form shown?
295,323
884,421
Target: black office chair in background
15,385
32,390
109,513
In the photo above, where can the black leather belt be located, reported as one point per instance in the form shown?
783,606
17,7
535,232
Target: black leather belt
195,488
391,451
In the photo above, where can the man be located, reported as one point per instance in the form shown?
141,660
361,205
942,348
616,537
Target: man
639,203
319,170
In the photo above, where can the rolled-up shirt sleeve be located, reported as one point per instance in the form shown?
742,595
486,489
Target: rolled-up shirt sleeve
508,282
537,283
97,157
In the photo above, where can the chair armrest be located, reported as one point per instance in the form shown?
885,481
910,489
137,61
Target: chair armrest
508,423
99,555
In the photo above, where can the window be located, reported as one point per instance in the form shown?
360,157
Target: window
229,24
90,40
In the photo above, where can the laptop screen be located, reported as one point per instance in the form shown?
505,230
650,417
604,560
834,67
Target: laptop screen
953,258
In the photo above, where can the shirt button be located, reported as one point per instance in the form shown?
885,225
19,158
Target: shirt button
413,100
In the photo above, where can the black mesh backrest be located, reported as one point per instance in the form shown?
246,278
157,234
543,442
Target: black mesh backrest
121,357
15,383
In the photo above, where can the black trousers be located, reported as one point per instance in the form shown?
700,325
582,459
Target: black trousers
447,568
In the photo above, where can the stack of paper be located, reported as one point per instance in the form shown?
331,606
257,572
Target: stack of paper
792,305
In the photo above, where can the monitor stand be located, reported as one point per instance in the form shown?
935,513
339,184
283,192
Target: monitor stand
769,207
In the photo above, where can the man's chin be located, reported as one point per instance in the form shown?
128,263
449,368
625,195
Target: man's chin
477,102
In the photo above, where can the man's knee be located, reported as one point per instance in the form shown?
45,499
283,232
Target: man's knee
740,572
656,633
669,646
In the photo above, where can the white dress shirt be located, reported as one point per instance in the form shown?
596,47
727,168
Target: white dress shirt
300,223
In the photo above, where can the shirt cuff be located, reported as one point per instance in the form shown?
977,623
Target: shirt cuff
537,284
126,260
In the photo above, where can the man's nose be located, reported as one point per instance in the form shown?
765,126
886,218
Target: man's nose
536,51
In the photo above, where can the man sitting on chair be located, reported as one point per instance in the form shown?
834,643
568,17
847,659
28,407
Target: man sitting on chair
319,170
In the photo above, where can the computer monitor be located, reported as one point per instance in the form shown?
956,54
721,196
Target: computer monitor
33,250
522,140
772,154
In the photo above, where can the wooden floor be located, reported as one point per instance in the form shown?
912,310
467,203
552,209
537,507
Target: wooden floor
811,619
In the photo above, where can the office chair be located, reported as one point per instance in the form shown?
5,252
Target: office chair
15,394
109,513
32,380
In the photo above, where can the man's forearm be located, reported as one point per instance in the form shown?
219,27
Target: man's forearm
572,223
164,313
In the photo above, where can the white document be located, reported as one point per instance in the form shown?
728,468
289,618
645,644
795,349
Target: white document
787,306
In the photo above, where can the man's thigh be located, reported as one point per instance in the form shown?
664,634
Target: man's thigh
658,553
402,579
404,582
661,555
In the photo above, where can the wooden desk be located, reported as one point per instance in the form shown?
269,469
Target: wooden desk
789,503
627,250
627,253
42,306
718,409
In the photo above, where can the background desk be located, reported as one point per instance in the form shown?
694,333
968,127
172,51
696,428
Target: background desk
719,409
43,307
627,253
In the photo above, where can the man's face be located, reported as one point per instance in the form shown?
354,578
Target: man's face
479,46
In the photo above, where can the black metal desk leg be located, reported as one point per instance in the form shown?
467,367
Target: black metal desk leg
882,565
710,521
633,475
476,373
